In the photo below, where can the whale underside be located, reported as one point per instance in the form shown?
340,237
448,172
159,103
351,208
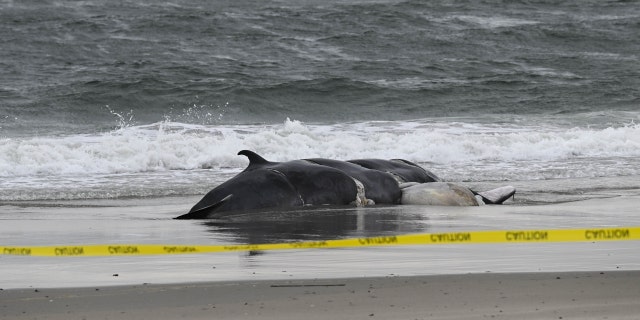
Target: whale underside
311,182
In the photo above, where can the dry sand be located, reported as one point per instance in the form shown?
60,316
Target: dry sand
563,295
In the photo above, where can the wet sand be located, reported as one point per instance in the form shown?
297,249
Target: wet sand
556,295
581,280
149,221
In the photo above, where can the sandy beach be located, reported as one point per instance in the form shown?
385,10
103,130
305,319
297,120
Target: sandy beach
575,280
563,295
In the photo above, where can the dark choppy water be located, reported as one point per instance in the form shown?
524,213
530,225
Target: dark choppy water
141,98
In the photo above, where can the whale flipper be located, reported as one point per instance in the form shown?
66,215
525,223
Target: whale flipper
205,212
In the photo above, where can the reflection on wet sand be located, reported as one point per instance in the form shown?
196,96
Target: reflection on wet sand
318,224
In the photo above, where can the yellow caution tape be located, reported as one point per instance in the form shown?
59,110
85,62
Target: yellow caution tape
501,236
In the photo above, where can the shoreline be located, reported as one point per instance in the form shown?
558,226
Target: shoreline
530,295
152,223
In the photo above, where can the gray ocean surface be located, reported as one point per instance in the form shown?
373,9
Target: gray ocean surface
68,66
121,99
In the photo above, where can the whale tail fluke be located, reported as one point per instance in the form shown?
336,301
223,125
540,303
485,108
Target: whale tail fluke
498,195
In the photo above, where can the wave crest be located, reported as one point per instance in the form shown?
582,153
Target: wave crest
178,146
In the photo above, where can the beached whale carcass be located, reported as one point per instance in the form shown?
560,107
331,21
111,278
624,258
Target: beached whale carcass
311,182
451,194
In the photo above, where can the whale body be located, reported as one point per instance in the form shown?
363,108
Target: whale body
264,184
312,182
380,187
438,194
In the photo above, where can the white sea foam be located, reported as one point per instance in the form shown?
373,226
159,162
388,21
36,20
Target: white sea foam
173,158
178,146
493,21
413,83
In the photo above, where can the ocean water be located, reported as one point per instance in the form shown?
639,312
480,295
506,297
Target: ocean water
135,99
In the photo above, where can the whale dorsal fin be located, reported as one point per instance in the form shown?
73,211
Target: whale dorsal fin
254,159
